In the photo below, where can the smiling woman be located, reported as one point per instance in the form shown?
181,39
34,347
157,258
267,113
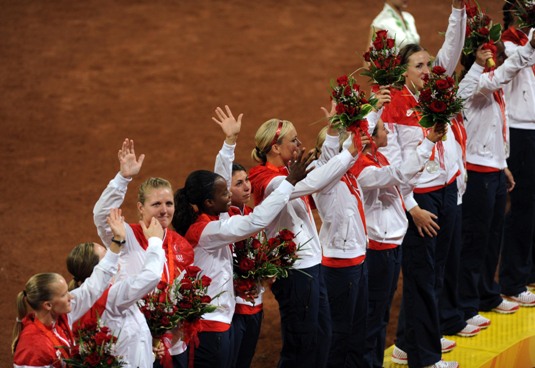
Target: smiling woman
155,200
42,335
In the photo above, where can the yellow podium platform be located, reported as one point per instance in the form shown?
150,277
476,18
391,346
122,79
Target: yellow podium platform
509,342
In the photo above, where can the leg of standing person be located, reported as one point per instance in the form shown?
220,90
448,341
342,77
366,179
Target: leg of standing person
452,319
418,331
246,333
214,350
383,273
347,289
516,261
303,318
489,289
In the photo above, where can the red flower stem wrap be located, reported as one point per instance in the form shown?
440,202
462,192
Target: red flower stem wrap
190,331
167,360
490,64
357,129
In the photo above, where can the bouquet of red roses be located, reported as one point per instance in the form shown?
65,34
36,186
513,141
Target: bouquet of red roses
438,101
159,310
352,106
524,11
257,259
479,31
384,62
95,347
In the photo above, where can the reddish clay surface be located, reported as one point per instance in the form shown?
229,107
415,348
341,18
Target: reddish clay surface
78,77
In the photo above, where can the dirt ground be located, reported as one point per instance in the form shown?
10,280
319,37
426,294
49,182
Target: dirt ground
76,78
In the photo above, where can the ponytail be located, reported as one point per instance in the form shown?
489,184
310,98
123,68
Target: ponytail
38,290
189,201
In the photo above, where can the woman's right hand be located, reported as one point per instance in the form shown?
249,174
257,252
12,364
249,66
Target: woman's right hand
482,55
328,115
383,97
154,229
116,222
355,149
436,132
130,165
298,167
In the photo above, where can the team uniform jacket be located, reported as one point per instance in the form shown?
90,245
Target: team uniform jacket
485,112
520,93
34,348
117,309
385,212
403,32
343,230
211,236
402,121
297,215
133,254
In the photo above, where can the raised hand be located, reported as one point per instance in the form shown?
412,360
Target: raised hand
230,126
382,96
328,115
116,222
129,164
298,167
482,55
154,229
358,146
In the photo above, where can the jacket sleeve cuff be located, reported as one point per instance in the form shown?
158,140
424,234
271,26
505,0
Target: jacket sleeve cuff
120,181
410,202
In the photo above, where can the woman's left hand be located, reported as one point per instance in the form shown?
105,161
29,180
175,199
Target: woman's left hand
230,126
458,4
510,181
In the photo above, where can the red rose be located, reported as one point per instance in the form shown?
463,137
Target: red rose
425,95
162,297
382,34
378,43
471,11
340,109
246,264
390,43
468,30
244,285
206,281
485,19
286,235
105,329
437,69
291,247
110,360
185,305
100,338
192,271
186,284
342,80
366,56
205,299
377,64
162,285
351,110
347,91
165,321
239,245
443,84
356,87
483,31
92,359
256,244
438,106
261,257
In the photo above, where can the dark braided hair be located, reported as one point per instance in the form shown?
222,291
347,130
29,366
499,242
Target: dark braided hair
199,187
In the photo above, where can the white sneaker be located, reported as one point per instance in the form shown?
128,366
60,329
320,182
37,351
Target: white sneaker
479,321
469,331
444,364
525,299
447,345
506,307
399,356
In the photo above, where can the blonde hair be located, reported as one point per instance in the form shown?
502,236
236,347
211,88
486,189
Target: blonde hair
37,291
151,183
265,136
80,263
320,139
